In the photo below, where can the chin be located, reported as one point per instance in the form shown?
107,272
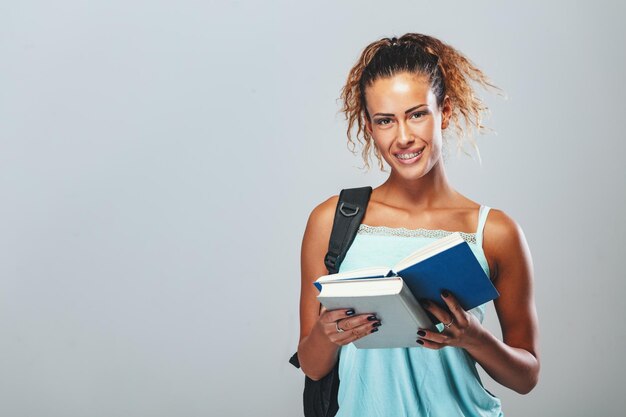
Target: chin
408,175
412,172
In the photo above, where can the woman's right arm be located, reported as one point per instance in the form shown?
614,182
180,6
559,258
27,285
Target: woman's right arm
319,344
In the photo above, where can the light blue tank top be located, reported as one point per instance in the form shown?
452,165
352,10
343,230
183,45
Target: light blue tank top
416,381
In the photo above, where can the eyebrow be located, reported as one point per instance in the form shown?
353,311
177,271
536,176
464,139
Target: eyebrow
408,111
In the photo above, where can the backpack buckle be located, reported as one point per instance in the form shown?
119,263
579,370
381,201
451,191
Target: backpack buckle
350,207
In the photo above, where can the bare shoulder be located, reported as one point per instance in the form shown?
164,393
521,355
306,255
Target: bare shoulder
500,224
504,240
315,240
321,219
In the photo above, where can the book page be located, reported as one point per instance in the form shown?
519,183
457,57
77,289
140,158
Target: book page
429,250
369,272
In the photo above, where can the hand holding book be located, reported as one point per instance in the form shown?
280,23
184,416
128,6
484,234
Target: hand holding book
459,328
343,326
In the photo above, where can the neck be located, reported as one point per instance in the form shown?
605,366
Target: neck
429,191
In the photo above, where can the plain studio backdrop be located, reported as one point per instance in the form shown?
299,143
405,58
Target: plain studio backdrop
159,161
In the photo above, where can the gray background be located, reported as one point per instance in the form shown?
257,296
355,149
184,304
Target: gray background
159,161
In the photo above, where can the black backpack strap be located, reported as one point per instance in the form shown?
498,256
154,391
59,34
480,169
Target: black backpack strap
350,210
348,215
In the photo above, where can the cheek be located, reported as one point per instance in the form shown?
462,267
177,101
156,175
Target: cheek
383,139
426,130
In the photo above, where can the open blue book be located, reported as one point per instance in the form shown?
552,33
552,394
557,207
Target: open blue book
447,263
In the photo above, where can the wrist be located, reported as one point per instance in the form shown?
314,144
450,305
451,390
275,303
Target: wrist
481,339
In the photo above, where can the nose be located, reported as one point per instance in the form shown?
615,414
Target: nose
404,135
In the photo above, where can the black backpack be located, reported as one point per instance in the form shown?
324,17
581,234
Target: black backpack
320,397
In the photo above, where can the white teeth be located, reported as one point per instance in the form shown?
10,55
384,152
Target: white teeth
408,155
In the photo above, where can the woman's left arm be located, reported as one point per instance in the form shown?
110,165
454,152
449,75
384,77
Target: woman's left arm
514,361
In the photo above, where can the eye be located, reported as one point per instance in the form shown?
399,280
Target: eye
380,121
419,114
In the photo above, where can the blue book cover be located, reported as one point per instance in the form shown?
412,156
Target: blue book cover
455,269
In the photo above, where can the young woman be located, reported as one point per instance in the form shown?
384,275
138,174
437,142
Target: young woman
402,94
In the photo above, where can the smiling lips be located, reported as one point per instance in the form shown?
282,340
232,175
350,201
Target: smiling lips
409,157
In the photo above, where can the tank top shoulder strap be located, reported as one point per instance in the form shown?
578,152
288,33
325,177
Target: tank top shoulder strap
482,219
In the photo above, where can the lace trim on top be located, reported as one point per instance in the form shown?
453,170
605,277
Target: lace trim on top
365,229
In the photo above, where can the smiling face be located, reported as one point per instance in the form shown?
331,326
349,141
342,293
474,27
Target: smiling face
406,123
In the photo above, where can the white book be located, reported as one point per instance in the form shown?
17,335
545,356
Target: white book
390,300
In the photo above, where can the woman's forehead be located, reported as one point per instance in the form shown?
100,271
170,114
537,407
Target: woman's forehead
398,91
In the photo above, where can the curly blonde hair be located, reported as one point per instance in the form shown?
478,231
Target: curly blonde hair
449,72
